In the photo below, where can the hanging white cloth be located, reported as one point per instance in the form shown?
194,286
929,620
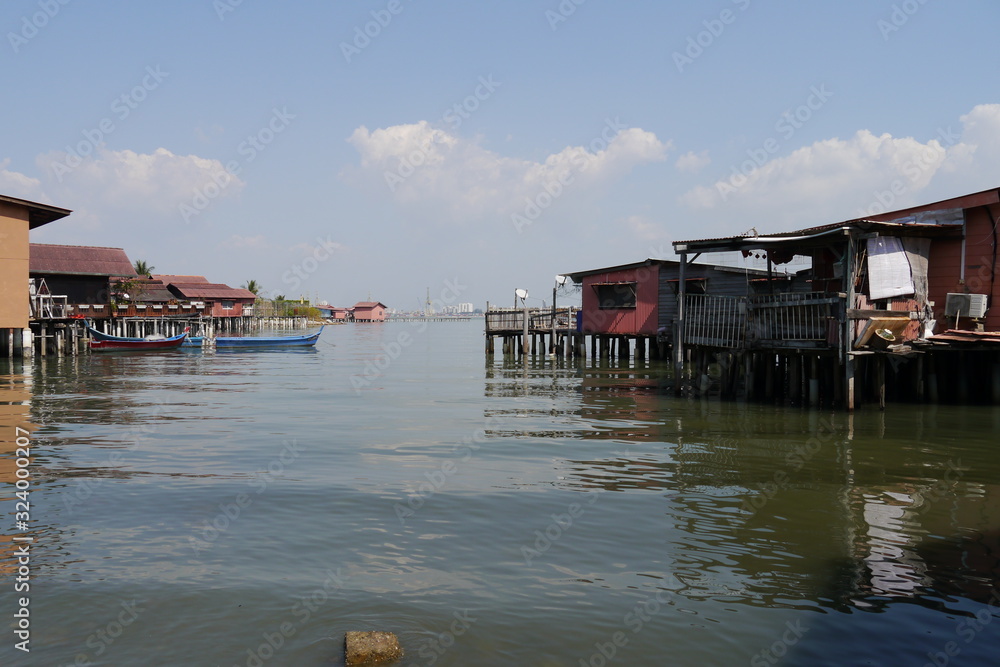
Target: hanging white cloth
888,268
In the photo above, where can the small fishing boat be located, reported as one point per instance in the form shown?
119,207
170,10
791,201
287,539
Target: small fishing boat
267,341
154,342
100,335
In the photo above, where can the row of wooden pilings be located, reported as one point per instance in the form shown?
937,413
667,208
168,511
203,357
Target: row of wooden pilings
794,377
822,379
69,336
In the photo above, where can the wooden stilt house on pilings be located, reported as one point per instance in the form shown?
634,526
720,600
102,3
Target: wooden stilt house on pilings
880,292
629,310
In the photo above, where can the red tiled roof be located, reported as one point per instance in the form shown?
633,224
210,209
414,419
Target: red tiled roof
210,291
78,260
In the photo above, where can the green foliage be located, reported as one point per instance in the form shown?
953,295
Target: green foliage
142,268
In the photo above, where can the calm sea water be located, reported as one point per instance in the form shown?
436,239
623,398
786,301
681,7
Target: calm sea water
248,508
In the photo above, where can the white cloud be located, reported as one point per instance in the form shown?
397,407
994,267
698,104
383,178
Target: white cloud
836,179
128,182
427,170
643,228
238,242
15,184
693,162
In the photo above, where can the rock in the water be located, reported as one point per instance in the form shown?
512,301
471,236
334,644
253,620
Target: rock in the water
363,648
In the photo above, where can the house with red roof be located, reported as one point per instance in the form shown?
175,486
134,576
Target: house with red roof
214,299
369,311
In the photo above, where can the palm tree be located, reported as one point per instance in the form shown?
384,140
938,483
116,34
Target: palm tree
142,268
252,286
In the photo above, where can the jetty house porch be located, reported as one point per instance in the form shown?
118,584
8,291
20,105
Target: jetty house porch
873,314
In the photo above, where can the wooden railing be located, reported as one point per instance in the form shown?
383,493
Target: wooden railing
793,319
780,320
718,321
499,320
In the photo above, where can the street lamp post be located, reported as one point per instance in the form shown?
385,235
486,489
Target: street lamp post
560,280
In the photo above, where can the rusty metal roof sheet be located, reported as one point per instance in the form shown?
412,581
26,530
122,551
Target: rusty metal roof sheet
78,260
369,304
963,336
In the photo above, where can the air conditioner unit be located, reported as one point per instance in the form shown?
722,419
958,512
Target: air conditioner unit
965,305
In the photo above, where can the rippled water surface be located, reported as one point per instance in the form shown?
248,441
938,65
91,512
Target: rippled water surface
248,508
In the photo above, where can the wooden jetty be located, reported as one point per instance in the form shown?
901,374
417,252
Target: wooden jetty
524,331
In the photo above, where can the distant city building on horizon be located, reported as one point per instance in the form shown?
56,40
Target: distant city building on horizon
458,309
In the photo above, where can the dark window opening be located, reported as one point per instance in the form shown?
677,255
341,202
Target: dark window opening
691,285
615,295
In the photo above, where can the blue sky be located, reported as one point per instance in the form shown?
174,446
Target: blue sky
344,149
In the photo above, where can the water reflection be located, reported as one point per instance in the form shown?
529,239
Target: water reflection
775,506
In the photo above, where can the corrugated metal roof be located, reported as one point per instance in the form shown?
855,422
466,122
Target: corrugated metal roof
167,279
78,260
210,291
151,291
809,234
990,196
369,304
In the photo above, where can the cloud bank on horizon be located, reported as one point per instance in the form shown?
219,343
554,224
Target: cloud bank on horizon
433,176
871,173
455,179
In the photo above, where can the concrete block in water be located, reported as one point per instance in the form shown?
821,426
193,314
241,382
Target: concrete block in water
364,648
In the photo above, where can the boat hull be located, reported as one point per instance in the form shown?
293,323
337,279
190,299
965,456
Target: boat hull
137,345
275,341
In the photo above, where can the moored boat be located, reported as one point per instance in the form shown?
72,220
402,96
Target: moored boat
267,341
139,344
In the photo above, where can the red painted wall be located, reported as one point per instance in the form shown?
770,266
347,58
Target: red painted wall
217,310
944,268
641,320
